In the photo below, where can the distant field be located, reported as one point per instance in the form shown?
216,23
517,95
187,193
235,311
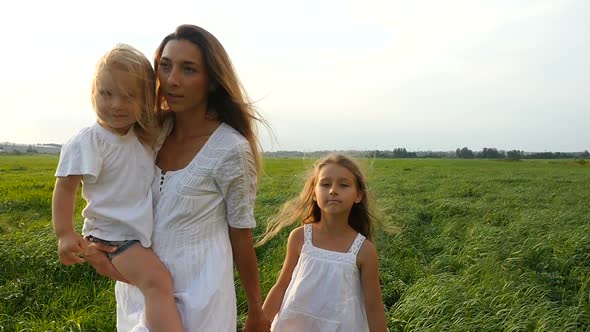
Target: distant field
485,246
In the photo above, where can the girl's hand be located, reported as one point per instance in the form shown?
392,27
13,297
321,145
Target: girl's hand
69,247
95,255
256,322
369,266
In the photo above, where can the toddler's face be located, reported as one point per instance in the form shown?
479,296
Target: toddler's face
118,100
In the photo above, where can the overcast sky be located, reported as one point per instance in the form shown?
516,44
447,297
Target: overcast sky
329,75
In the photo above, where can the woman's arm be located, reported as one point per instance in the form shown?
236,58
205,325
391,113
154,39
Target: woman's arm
369,267
70,244
272,303
245,259
95,255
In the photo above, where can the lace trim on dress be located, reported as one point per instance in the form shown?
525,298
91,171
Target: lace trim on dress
345,257
356,245
307,233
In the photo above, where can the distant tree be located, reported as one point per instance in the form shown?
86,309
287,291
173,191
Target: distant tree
31,150
436,154
382,154
585,154
491,153
464,153
514,154
402,153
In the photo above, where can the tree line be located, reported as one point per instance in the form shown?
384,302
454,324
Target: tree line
493,153
463,153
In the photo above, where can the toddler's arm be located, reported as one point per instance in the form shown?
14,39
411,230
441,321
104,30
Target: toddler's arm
70,243
273,301
369,267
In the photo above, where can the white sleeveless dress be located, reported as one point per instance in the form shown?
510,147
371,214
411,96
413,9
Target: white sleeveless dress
325,293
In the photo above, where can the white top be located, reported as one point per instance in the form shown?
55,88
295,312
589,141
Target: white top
193,207
116,175
325,293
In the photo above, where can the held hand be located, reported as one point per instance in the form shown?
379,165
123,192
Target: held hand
69,247
256,323
95,255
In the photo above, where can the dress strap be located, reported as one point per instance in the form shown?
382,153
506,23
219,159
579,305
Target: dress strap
356,245
307,233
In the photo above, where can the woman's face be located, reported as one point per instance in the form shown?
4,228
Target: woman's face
183,76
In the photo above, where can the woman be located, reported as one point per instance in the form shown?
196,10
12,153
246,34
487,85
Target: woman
204,189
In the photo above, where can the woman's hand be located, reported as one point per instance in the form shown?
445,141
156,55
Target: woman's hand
96,255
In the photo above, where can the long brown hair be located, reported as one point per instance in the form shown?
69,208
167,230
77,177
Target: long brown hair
129,60
362,217
228,100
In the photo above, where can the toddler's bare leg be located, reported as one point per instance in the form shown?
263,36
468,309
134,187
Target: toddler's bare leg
144,269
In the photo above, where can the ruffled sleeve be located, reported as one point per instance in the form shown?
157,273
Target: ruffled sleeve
80,156
235,175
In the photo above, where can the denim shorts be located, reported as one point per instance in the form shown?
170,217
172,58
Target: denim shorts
122,245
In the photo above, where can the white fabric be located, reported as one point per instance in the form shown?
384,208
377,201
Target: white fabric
325,293
116,176
192,209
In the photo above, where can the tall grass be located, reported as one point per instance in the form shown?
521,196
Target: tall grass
484,246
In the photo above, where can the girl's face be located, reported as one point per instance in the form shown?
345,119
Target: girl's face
183,76
335,191
118,100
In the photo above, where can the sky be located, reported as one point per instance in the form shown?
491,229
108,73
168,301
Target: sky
425,75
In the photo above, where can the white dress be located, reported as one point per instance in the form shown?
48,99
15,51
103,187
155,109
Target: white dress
192,210
325,293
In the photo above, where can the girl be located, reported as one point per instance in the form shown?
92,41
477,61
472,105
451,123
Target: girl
114,160
330,279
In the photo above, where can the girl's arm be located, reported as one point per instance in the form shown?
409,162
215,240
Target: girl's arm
242,245
273,301
70,243
369,267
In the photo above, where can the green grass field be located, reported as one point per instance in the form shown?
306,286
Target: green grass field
485,246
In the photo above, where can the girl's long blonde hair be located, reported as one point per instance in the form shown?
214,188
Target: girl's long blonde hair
128,59
362,217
